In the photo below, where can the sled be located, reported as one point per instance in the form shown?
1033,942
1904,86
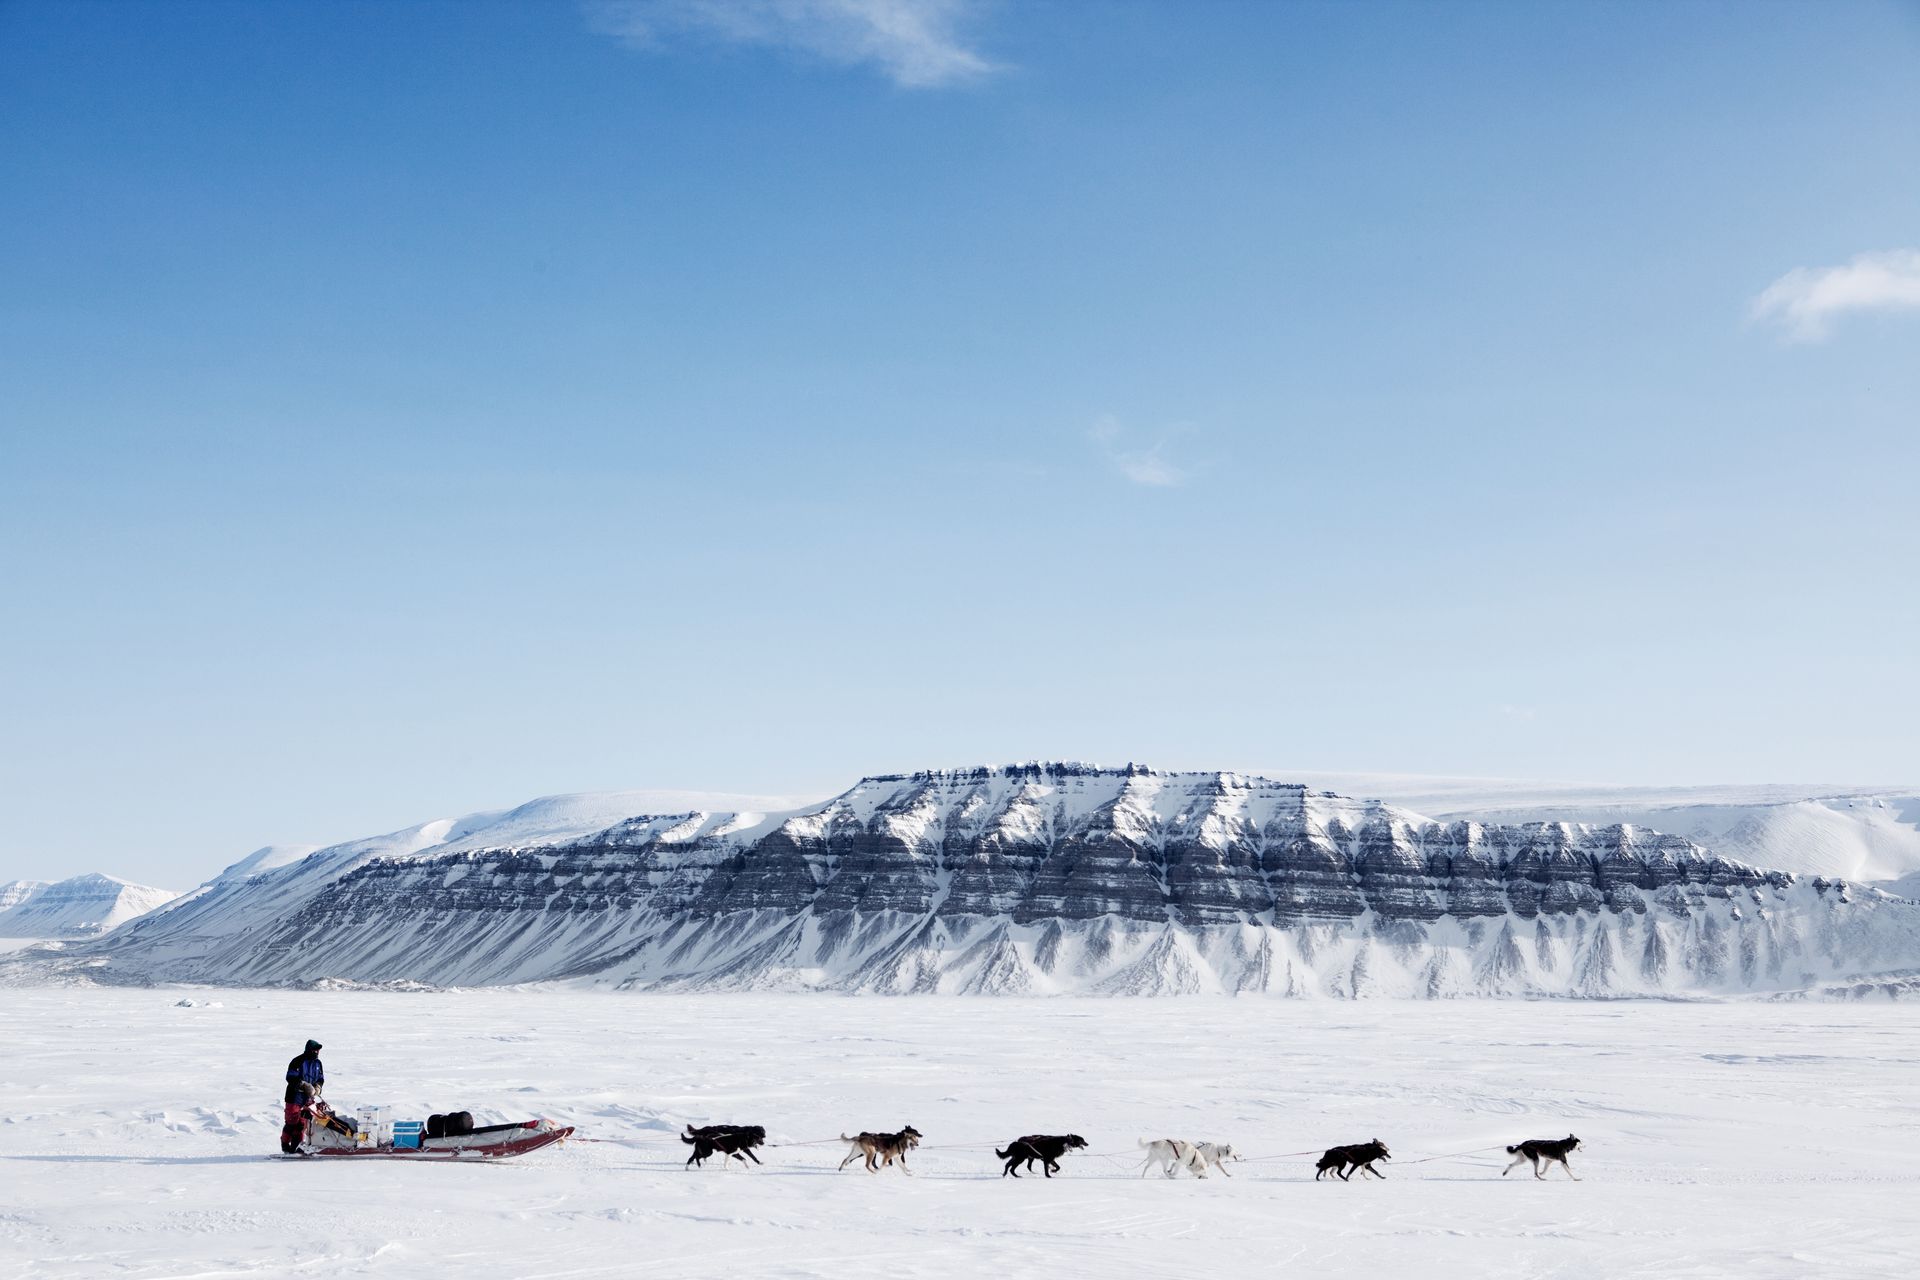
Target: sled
488,1142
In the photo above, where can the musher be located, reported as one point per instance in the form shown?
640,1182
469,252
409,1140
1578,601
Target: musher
305,1076
306,1067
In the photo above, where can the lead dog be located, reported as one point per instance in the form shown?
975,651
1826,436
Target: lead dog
1539,1150
1361,1155
1173,1155
731,1141
1047,1148
885,1147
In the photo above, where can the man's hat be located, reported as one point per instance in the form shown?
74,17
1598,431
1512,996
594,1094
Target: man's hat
313,1046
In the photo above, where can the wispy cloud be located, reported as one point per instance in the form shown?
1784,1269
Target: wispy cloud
918,44
1807,300
1143,464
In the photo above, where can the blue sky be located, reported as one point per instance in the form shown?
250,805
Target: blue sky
411,409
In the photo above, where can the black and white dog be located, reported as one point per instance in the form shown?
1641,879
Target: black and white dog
1047,1148
1341,1161
1540,1151
731,1141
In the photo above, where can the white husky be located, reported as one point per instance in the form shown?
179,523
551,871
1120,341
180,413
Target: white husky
1173,1155
1217,1154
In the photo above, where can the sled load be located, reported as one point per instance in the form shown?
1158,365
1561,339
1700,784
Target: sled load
321,1131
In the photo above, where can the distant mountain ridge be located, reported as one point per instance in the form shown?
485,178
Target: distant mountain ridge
1026,879
82,907
1848,832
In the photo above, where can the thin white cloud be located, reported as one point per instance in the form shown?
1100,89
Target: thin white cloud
918,44
1148,465
1806,301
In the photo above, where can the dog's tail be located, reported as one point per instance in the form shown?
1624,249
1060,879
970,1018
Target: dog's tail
1002,1154
1512,1150
1147,1142
845,1138
692,1142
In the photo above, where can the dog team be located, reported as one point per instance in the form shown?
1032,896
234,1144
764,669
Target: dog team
1169,1155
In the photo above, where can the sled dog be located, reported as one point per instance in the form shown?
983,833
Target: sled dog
1343,1160
1547,1151
1047,1148
1173,1155
731,1141
1216,1155
881,1148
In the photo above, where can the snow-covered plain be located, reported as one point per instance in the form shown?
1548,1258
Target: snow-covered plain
1749,1138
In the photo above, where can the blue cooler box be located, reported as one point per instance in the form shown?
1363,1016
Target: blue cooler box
406,1133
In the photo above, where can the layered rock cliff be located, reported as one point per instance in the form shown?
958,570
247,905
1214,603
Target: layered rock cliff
1034,879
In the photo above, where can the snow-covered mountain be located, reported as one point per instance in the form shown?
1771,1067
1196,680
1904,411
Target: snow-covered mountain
1026,879
1851,833
82,907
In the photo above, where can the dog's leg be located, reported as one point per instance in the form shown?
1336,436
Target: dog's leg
1569,1169
1517,1162
851,1155
1536,1169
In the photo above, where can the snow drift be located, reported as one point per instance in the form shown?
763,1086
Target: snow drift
1031,879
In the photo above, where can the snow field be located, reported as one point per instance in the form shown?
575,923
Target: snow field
1763,1139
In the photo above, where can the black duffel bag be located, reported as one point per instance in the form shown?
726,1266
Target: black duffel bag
454,1124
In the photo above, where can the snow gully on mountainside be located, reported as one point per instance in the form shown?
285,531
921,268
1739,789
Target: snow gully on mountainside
1032,879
